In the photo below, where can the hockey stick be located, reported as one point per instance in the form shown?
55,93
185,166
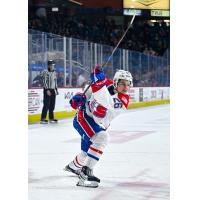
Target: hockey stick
113,51
119,42
79,65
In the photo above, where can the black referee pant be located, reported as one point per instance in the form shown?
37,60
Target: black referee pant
49,104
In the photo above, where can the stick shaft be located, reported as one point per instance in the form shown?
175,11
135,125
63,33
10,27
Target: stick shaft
113,50
119,41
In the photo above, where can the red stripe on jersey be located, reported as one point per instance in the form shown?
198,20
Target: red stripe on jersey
84,124
96,150
124,98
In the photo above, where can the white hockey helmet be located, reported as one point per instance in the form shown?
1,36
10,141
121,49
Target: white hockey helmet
122,75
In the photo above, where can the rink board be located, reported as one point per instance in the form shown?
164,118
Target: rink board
139,97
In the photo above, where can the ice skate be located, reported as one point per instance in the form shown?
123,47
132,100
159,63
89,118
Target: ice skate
69,169
44,121
53,121
87,179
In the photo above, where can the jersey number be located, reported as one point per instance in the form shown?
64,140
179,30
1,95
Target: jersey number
117,103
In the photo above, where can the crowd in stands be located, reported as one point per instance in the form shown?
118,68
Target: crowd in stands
143,36
153,78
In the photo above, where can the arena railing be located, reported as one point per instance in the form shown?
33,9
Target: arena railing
76,58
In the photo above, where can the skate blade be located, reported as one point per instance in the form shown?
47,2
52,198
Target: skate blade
90,184
43,122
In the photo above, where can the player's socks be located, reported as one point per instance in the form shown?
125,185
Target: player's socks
76,165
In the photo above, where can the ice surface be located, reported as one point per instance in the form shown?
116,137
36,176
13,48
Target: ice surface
134,166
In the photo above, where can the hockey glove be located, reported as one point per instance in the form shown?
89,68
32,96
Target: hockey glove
97,75
77,101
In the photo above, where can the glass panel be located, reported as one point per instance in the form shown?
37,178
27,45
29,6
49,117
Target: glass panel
147,70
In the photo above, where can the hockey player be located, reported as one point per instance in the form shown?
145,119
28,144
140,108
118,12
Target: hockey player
104,100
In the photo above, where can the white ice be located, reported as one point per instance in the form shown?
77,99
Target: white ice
134,166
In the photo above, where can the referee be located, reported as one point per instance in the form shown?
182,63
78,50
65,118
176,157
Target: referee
50,91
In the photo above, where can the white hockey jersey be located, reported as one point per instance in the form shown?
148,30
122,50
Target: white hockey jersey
102,106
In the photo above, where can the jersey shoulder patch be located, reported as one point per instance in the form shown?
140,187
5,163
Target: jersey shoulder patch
124,98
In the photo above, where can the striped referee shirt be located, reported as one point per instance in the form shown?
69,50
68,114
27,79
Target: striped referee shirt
49,79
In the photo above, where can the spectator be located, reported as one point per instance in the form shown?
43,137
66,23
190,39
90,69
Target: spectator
37,81
81,80
101,30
